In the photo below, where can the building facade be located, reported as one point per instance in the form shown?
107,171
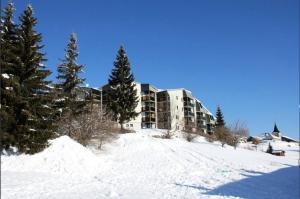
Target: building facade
177,109
173,109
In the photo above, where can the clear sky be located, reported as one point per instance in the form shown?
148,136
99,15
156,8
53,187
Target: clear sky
241,55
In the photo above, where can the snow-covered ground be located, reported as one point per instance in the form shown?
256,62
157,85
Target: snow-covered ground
137,165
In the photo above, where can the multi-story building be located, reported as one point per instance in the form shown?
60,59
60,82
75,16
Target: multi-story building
178,109
204,119
146,106
170,109
173,109
148,102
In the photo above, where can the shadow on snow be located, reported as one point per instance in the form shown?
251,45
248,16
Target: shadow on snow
282,183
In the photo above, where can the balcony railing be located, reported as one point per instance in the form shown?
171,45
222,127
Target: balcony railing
189,114
148,98
148,119
161,99
148,108
188,104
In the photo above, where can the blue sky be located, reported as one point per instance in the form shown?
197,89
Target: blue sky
241,55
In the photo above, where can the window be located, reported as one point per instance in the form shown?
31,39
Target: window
131,125
177,97
177,107
177,117
127,125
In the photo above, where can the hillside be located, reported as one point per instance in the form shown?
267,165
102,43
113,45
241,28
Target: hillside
137,165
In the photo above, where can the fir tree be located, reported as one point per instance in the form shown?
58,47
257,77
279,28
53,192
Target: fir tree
9,80
220,119
123,95
34,115
222,133
270,149
69,79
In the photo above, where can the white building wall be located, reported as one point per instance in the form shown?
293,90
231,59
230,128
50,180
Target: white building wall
176,109
137,122
176,103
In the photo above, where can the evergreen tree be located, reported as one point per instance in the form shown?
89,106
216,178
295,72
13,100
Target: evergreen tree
34,115
220,119
9,80
270,149
69,80
123,95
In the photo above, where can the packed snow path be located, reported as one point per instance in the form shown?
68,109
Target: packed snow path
138,166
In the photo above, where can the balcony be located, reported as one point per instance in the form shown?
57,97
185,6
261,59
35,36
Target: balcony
148,98
148,108
189,114
200,117
148,119
187,103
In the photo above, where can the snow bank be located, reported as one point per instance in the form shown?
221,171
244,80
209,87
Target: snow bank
63,156
138,165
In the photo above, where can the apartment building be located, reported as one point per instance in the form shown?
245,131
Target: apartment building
178,109
148,103
204,119
146,106
173,109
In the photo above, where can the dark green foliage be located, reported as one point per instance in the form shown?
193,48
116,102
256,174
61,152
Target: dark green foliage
122,95
27,117
36,114
68,89
68,70
9,81
270,149
220,119
69,80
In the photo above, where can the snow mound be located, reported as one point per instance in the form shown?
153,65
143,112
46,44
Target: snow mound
63,156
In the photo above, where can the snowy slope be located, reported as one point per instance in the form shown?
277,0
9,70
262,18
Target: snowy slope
138,165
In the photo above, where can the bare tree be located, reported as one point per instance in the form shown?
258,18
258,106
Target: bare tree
223,135
210,137
190,132
92,123
238,130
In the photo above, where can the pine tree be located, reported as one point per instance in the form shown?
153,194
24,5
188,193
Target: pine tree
220,119
34,115
270,149
9,80
123,95
69,79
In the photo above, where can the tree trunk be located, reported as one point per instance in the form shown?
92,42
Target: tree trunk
122,127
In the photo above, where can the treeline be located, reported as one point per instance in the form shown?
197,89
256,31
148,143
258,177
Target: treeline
228,134
34,109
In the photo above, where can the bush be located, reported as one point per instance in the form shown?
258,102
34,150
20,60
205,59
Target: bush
210,137
93,124
223,135
189,136
167,135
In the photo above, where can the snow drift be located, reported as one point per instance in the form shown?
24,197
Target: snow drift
63,156
138,165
